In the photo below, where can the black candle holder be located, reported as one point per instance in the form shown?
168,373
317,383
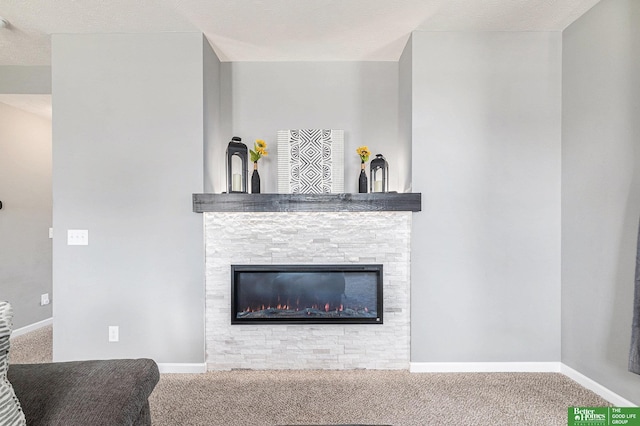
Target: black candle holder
237,175
379,174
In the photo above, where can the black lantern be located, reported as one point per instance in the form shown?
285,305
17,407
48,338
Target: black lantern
379,175
237,166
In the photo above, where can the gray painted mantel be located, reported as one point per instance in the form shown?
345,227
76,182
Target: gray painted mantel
389,201
271,229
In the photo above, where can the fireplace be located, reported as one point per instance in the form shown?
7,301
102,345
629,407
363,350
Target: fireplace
307,238
306,294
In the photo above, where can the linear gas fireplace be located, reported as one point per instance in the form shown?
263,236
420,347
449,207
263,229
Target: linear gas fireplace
306,294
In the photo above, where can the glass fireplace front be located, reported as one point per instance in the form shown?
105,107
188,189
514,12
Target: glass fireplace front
306,294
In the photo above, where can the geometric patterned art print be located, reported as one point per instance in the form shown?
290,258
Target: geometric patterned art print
310,161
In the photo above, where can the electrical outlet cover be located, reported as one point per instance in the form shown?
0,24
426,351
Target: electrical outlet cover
114,333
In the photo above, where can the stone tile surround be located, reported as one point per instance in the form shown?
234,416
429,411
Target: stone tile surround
308,238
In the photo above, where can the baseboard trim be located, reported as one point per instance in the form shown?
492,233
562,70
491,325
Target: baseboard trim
484,367
522,367
169,367
26,329
596,387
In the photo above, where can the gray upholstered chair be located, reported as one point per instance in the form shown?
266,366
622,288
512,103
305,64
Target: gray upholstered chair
79,393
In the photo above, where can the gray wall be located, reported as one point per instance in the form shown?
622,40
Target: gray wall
601,192
25,218
32,80
217,125
485,255
127,156
405,107
359,97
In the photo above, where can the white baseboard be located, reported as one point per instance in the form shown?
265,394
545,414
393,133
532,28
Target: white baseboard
24,330
522,367
170,367
484,367
596,387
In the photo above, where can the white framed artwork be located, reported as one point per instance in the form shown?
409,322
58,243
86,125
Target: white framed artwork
310,161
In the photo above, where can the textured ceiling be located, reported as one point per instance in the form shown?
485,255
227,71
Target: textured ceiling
275,30
35,104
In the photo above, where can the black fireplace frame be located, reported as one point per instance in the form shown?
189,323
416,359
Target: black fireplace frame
377,268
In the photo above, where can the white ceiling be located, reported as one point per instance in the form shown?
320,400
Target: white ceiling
275,30
35,104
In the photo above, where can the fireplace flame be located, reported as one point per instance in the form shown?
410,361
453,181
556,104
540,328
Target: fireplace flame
319,307
312,310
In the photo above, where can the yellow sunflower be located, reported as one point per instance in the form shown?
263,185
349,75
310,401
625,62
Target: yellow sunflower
364,153
259,150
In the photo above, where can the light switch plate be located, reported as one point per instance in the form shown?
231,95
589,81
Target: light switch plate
78,237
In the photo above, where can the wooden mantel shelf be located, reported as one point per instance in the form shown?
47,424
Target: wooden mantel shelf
307,202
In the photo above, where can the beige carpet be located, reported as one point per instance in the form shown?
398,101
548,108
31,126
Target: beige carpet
32,348
350,397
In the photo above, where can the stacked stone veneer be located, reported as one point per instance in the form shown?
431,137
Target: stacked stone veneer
308,238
